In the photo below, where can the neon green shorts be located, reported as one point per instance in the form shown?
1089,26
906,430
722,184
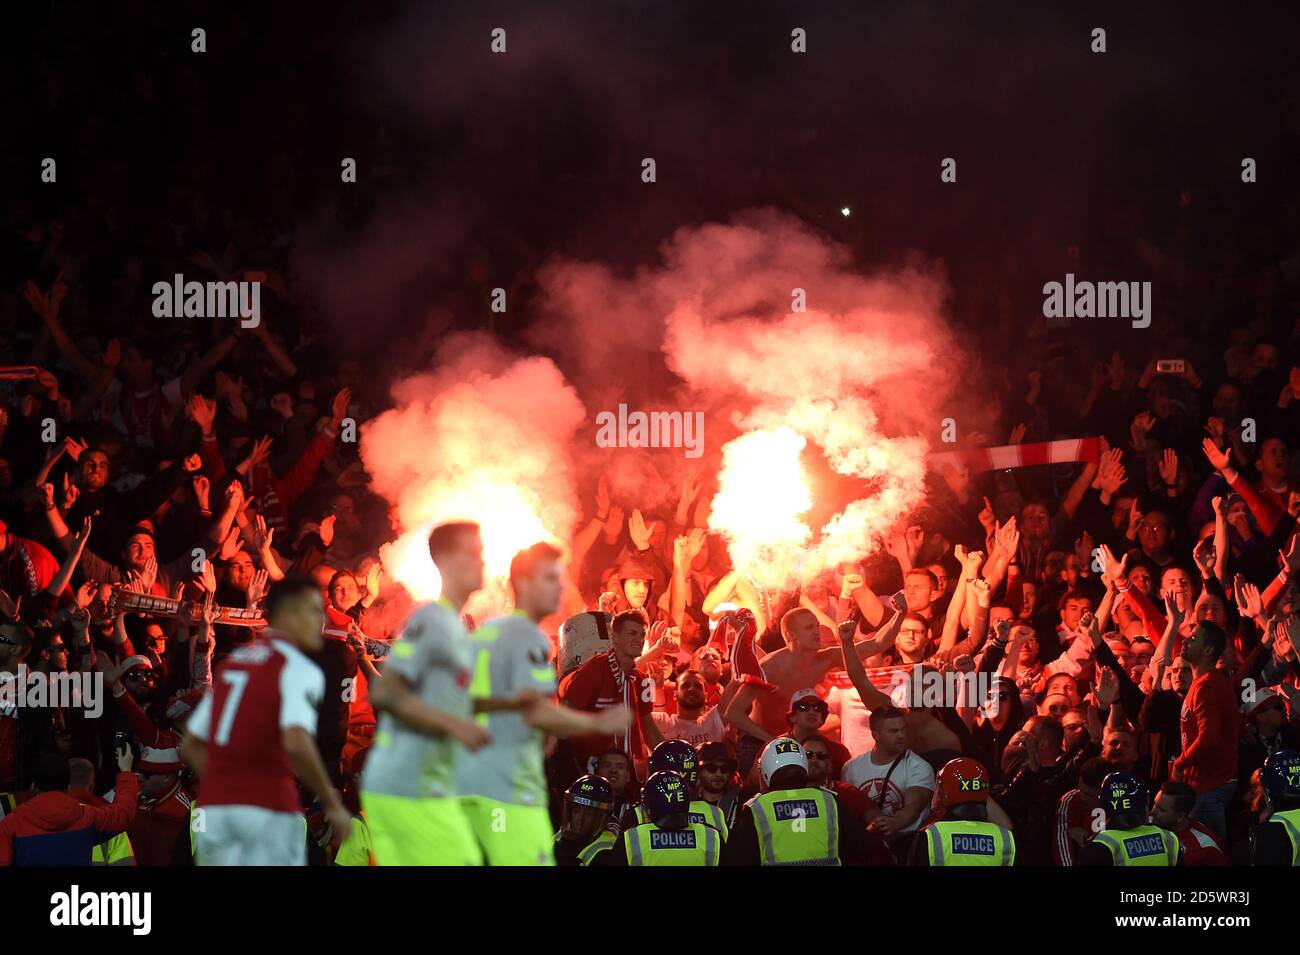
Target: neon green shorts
407,830
509,834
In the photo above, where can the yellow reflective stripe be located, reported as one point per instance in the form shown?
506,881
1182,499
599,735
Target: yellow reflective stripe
602,842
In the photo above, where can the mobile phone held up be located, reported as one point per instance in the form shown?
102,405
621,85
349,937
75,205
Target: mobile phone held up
1170,366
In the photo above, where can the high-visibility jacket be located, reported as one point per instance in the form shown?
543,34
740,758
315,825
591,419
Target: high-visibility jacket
1145,845
705,813
116,851
797,827
969,842
606,840
1289,819
648,845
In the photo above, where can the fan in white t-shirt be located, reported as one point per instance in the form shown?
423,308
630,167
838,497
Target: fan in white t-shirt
898,784
694,722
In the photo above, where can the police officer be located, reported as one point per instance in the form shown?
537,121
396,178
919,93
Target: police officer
1129,839
587,830
678,756
792,823
1277,839
669,838
960,833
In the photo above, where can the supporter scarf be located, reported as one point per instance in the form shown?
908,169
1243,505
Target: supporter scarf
1022,455
27,569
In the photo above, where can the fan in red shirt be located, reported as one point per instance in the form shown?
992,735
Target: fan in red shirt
609,679
1173,811
254,732
1210,725
1077,814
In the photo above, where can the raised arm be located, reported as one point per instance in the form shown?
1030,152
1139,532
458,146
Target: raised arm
871,697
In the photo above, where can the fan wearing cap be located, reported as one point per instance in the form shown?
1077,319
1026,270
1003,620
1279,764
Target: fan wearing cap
164,800
963,835
1265,719
807,716
163,807
718,785
1128,838
1277,839
586,831
669,838
793,823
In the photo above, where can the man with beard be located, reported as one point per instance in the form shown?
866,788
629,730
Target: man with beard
717,779
1210,726
694,721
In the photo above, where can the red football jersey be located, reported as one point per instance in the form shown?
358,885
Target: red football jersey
260,690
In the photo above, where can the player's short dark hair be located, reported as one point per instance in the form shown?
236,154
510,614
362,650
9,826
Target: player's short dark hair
445,537
1183,795
290,588
527,561
882,713
628,616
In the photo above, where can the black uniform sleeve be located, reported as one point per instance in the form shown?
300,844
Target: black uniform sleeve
1095,854
741,847
858,845
920,854
615,855
1271,846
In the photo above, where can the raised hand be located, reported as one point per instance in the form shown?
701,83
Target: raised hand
202,491
74,448
1116,570
1083,548
1107,691
339,407
207,581
70,493
1138,430
234,497
1219,460
638,530
987,517
201,411
1169,467
261,450
257,587
1174,607
1250,603
1203,555
614,522
327,530
1007,539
